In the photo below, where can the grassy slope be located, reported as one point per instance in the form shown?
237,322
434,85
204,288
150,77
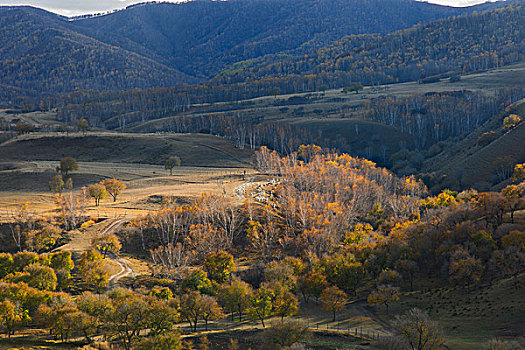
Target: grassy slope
477,162
193,149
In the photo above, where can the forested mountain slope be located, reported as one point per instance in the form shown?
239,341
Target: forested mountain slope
463,44
149,45
201,37
39,52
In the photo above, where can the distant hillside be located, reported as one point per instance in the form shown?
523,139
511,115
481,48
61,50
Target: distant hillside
150,45
41,53
482,164
202,37
464,44
193,149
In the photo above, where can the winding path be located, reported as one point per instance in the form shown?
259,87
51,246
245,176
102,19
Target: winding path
81,241
125,268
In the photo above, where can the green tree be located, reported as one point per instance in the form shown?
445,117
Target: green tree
171,163
197,280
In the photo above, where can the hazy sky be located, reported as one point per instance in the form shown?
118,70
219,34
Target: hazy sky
77,7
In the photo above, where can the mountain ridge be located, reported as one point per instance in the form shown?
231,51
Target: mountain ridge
153,45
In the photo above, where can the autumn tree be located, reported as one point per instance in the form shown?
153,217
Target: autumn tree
284,303
384,294
408,269
60,316
41,277
283,335
96,307
91,269
105,244
519,172
62,264
12,316
418,331
171,163
127,318
235,297
195,306
511,121
334,300
464,269
260,305
312,284
44,238
56,184
67,165
343,271
170,341
162,315
97,192
515,195
7,264
354,87
82,125
211,311
391,277
219,266
114,187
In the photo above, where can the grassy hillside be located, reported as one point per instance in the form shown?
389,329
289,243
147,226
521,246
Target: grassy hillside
194,150
474,164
